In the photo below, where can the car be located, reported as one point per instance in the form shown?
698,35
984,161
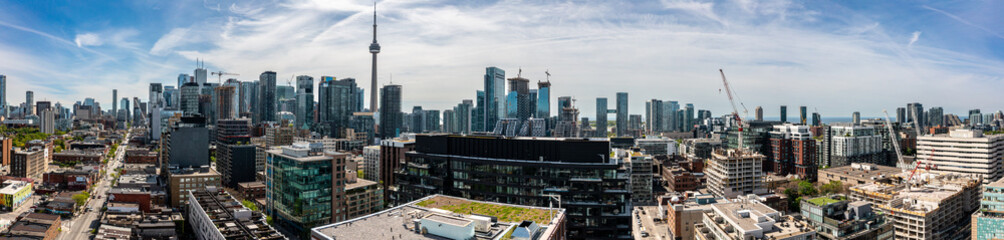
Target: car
644,234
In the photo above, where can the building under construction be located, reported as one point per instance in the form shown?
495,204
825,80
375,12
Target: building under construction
934,207
735,172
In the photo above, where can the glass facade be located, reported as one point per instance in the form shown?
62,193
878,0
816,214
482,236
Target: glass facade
299,192
544,102
990,218
596,194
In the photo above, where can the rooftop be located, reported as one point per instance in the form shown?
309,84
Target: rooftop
400,222
232,219
13,186
864,170
359,183
823,201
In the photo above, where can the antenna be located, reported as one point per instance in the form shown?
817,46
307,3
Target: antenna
520,72
548,73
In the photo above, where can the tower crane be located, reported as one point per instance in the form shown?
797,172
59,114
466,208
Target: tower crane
892,138
220,74
735,111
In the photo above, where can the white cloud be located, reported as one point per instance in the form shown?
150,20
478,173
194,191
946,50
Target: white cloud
169,41
88,39
913,38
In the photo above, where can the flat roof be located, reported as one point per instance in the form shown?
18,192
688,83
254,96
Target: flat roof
388,223
360,183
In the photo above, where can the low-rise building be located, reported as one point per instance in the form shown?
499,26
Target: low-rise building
679,180
834,217
750,220
936,207
140,155
251,190
362,197
683,212
214,214
71,157
860,173
14,193
445,217
71,180
34,226
28,163
184,180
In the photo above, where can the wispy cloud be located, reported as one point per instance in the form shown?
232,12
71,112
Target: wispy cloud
913,38
964,21
87,39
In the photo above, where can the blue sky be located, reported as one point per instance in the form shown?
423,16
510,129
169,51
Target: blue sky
837,57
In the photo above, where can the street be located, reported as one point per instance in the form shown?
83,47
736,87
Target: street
84,221
653,230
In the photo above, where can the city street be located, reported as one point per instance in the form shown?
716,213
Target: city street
82,223
23,208
654,230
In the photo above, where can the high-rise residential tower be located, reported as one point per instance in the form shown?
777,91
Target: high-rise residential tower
759,113
802,114
544,99
336,103
3,95
856,118
900,115
374,49
622,114
115,103
29,99
391,117
784,113
304,102
601,117
266,99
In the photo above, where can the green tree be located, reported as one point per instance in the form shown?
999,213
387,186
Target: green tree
249,205
81,198
832,187
806,189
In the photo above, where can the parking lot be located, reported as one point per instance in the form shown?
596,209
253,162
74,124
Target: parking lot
645,224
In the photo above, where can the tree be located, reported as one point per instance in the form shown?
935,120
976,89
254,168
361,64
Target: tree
806,189
832,187
81,198
249,205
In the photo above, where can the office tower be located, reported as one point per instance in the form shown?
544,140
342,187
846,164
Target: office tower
478,113
115,103
794,151
989,219
249,100
802,115
124,103
934,207
235,155
284,93
29,102
544,99
186,144
982,153
266,97
417,124
390,111
654,116
225,103
189,98
182,79
556,163
670,121
856,118
200,75
601,117
304,102
622,114
47,120
916,109
689,115
733,172
172,97
936,117
431,121
374,49
360,100
975,118
299,172
235,100
759,113
336,103
784,113
495,101
363,122
156,96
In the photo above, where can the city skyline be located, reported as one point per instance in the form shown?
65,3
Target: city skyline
856,57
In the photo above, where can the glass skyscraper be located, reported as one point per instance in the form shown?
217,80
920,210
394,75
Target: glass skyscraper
391,117
622,114
337,101
544,100
267,97
495,99
304,102
601,117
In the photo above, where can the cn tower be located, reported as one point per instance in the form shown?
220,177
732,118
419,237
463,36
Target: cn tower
374,49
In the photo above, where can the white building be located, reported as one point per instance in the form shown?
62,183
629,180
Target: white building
852,144
962,151
732,173
750,220
641,177
371,163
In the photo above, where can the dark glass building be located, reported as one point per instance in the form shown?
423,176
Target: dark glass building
391,117
593,188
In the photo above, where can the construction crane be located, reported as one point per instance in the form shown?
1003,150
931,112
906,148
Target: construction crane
735,110
892,138
927,166
220,74
916,127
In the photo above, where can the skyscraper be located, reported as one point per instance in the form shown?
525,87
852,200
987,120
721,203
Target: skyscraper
336,103
225,102
622,114
544,99
601,117
390,111
304,102
189,102
519,90
856,118
200,75
182,79
115,103
936,116
374,49
759,113
29,100
249,99
478,113
266,97
901,115
689,117
784,113
653,116
156,98
3,95
495,101
802,114
916,109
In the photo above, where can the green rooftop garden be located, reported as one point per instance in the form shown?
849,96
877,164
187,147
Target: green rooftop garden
823,201
502,212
